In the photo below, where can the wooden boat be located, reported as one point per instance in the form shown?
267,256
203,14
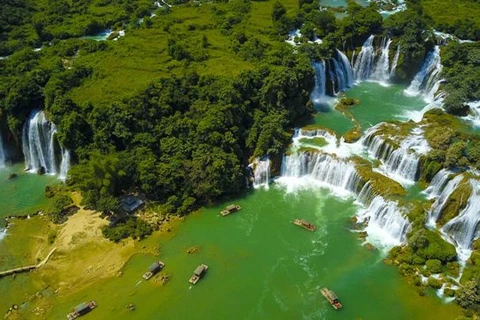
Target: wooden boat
153,269
198,273
332,298
230,209
81,309
304,224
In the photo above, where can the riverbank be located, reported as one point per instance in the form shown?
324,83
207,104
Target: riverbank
83,257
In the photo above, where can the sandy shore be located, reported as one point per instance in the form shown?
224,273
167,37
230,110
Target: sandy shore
83,255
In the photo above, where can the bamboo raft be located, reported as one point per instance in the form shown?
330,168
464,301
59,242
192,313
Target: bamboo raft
26,268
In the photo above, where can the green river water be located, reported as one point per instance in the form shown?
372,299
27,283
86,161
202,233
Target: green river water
261,266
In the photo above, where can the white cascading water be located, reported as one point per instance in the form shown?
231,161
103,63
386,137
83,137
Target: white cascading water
347,70
400,164
261,172
474,115
393,69
438,183
428,76
65,164
442,198
387,226
319,91
465,228
386,223
363,66
341,73
322,169
3,153
381,71
38,144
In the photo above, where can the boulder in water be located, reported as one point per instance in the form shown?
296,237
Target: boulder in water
41,171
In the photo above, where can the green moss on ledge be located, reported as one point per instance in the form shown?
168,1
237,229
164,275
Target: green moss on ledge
381,184
455,203
315,141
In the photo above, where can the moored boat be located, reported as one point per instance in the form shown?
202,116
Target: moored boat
81,309
332,298
153,269
304,224
230,209
198,273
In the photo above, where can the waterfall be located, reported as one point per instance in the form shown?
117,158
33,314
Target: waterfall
38,145
442,198
400,164
381,72
465,228
474,114
323,170
347,69
438,183
65,164
364,62
318,94
341,72
261,172
393,69
3,153
428,76
386,222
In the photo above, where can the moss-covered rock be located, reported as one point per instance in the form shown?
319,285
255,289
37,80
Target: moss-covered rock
449,292
430,245
381,184
455,203
434,283
434,265
315,141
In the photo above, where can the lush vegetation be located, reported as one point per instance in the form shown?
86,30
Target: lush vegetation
177,108
461,18
461,71
452,148
27,23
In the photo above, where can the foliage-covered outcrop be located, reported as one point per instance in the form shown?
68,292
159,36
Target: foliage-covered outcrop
461,71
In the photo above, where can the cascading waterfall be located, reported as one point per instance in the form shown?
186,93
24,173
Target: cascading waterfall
474,116
386,222
3,153
442,199
393,69
318,94
323,169
465,228
346,67
261,172
400,164
65,164
427,78
438,183
38,144
363,66
381,71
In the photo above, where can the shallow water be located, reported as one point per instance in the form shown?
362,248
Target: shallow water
261,266
378,103
23,194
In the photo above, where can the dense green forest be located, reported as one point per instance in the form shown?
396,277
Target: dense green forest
178,108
